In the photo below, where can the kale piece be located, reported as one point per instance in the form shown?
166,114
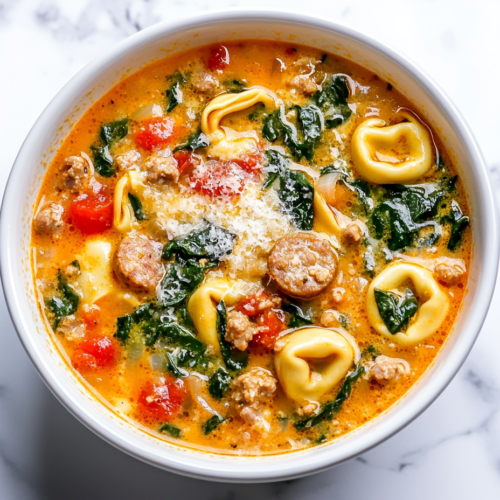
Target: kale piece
174,93
171,430
109,134
234,360
459,223
396,312
103,161
212,243
113,132
212,423
64,305
137,207
331,408
332,100
219,383
123,326
196,140
297,315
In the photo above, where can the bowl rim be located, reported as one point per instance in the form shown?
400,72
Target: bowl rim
426,397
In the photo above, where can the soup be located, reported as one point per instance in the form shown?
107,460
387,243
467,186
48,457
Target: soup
251,248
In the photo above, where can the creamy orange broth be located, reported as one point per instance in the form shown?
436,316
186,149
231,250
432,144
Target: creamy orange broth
254,63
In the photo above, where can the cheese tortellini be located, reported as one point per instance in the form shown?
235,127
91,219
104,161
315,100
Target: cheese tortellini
324,219
96,276
393,154
202,304
433,302
123,214
312,362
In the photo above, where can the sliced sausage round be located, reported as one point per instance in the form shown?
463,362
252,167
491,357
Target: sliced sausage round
302,265
138,262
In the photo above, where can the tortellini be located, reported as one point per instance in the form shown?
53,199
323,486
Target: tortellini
96,276
410,141
202,304
324,219
312,362
123,213
433,302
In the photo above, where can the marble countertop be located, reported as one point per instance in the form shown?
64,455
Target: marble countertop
451,451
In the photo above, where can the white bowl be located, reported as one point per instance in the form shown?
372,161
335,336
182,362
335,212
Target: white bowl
167,38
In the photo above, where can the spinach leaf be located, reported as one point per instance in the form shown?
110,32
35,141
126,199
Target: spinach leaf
173,368
459,223
76,264
170,429
234,86
212,423
180,336
277,163
212,243
297,315
197,140
370,352
233,360
297,195
113,132
331,408
174,92
421,200
396,312
332,100
219,383
103,161
123,326
137,207
65,305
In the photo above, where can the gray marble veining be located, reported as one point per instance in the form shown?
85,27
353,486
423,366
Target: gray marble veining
451,451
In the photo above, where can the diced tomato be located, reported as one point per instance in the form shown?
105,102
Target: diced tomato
154,133
219,58
252,305
219,179
92,212
95,352
91,317
271,322
185,161
161,401
250,162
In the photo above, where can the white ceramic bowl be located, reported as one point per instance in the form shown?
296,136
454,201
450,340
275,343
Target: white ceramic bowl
167,38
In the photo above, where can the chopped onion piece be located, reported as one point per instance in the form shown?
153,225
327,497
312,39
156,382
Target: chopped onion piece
326,186
147,112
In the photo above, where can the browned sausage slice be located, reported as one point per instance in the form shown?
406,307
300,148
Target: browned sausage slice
302,265
138,262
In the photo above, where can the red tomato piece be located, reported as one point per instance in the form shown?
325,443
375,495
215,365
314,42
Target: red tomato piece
92,212
161,401
154,133
271,322
219,179
185,161
219,58
95,352
250,162
252,305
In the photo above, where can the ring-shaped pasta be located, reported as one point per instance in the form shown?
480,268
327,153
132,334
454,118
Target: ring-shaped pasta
122,210
328,352
372,135
202,304
226,104
433,302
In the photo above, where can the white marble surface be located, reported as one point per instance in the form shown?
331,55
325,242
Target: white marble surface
451,451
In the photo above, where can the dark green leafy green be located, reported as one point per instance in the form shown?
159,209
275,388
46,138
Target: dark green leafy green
459,223
277,163
174,93
296,196
137,207
103,161
212,423
233,359
219,383
297,316
64,305
173,367
331,408
395,311
234,86
123,326
212,243
113,132
370,352
197,140
76,264
332,100
109,134
171,430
